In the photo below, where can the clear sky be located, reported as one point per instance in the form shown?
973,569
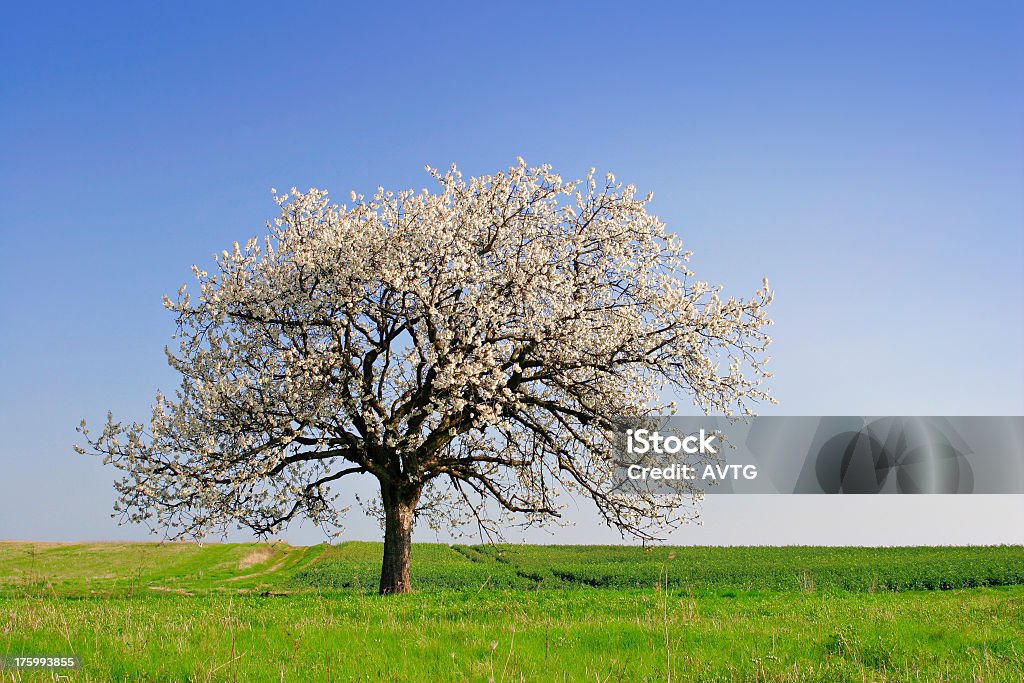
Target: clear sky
869,159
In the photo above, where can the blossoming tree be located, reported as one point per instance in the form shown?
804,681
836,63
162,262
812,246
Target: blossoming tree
469,348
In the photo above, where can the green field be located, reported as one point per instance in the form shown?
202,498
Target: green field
177,612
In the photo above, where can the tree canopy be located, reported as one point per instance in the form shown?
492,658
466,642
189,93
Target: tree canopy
469,347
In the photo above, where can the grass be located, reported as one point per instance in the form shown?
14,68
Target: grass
178,612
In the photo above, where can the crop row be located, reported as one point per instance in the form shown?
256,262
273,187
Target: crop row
356,566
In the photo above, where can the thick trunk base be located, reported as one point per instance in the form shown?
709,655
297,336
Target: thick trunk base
398,520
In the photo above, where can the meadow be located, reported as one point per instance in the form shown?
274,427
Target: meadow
271,612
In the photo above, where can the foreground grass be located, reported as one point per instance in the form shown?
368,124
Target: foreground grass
612,635
253,613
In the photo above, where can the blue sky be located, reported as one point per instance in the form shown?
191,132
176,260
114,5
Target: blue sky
867,158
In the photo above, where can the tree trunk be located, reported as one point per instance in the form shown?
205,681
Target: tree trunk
399,506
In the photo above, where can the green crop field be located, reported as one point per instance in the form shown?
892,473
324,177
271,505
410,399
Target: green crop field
247,612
